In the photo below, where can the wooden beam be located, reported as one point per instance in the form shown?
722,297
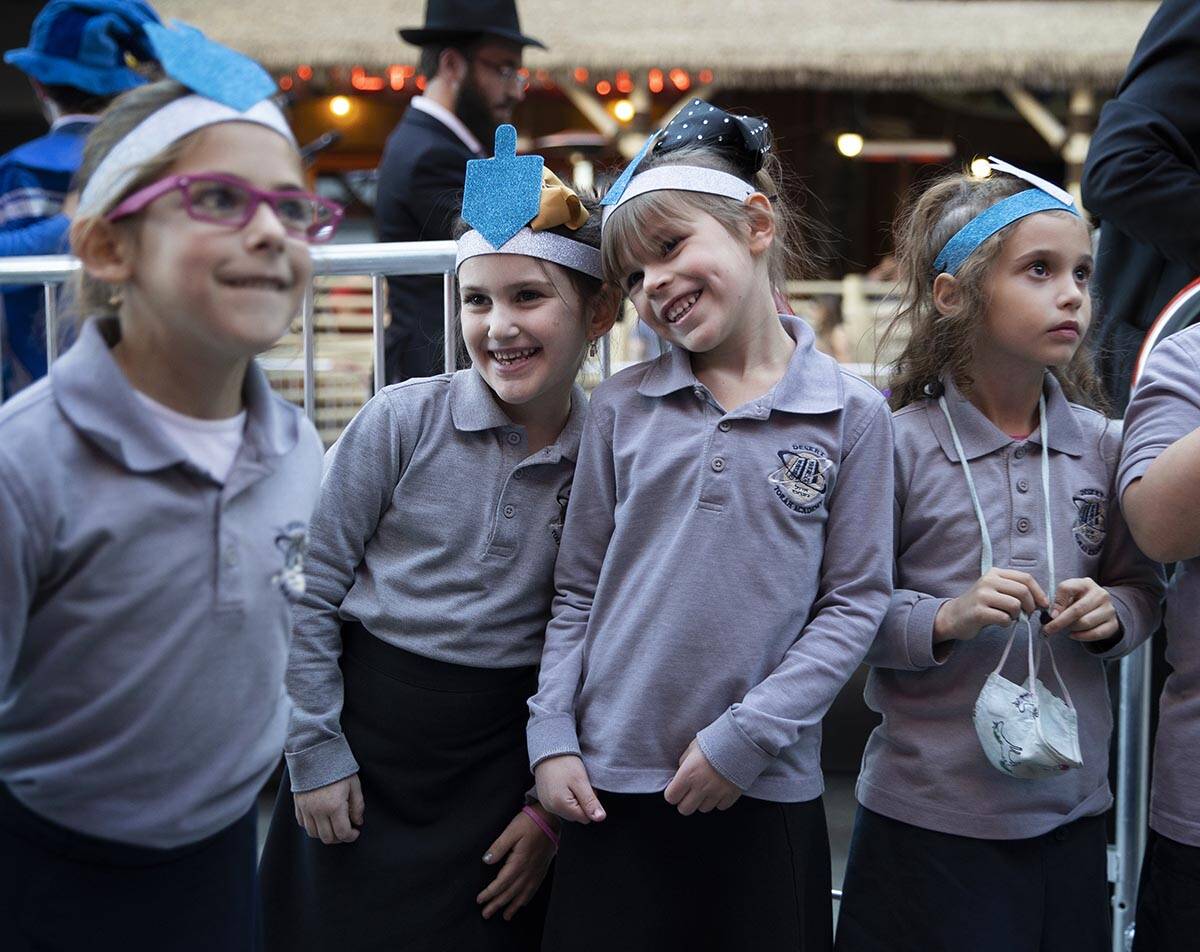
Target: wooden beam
1042,119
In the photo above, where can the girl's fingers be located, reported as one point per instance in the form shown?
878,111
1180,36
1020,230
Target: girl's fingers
342,830
1094,621
1069,616
325,829
521,899
1011,607
1014,589
676,790
502,844
1029,582
508,874
587,800
358,806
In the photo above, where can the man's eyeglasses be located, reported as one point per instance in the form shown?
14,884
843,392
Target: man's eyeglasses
225,200
509,75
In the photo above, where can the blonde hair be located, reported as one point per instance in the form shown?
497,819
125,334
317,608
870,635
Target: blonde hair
630,233
87,295
944,343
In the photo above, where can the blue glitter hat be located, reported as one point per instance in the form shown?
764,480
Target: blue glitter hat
513,201
502,194
84,43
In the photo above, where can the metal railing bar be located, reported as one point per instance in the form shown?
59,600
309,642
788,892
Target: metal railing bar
449,337
377,341
308,337
50,304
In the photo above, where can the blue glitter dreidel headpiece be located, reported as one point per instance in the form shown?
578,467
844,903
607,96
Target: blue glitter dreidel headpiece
511,201
502,194
226,86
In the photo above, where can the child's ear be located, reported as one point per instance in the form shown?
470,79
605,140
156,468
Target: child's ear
762,223
603,310
947,294
105,250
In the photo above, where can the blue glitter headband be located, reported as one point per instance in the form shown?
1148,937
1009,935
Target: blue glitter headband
980,228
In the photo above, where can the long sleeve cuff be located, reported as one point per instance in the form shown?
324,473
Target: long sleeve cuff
733,755
321,764
918,634
551,737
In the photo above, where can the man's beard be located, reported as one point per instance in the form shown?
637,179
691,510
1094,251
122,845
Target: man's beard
476,115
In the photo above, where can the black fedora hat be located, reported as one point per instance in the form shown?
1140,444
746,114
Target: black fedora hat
449,21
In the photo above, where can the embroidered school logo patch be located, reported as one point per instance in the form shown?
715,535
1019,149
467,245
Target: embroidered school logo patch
802,478
1090,519
556,527
292,542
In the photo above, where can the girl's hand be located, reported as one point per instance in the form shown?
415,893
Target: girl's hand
697,785
332,813
529,851
564,789
997,598
1083,608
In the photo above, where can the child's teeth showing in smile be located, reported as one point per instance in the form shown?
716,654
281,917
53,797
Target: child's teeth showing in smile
681,307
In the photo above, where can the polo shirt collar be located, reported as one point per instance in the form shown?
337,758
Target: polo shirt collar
94,394
473,407
980,436
811,383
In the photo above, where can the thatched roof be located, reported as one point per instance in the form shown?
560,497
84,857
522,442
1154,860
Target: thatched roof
946,44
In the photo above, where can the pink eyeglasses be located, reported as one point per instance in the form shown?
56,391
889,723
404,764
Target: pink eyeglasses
225,200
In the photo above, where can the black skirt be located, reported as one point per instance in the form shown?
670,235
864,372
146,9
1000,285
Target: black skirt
909,889
443,768
1168,908
62,891
755,877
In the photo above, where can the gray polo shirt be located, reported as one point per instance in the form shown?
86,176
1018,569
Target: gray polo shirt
1166,407
146,607
721,575
438,531
923,765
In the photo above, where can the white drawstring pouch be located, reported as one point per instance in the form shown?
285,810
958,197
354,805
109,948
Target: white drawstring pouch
1026,731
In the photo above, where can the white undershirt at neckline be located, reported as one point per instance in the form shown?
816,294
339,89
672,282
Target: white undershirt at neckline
431,107
212,445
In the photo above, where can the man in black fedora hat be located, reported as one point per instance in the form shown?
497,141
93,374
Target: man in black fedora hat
470,57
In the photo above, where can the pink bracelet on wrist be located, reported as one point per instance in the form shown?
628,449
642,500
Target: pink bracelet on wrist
542,824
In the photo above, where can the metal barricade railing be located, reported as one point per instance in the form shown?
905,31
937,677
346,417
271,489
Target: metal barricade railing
381,261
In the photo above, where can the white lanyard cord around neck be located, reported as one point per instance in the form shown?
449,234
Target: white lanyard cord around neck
985,557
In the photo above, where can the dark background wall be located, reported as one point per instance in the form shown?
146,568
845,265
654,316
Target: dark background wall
20,118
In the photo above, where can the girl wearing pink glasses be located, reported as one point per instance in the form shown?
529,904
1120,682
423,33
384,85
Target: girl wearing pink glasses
154,506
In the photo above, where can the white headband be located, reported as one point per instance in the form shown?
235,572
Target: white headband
682,178
159,130
535,244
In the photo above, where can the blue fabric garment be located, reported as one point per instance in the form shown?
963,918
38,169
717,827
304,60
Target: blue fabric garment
34,180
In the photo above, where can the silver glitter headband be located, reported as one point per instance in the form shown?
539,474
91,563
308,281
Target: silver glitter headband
535,244
683,178
161,129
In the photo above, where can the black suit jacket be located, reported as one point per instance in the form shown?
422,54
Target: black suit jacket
421,178
1142,178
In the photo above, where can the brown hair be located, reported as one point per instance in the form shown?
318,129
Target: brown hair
89,295
944,343
630,234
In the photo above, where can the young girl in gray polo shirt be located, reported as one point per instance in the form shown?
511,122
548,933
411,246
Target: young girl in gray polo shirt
154,505
726,562
402,821
983,791
1160,466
